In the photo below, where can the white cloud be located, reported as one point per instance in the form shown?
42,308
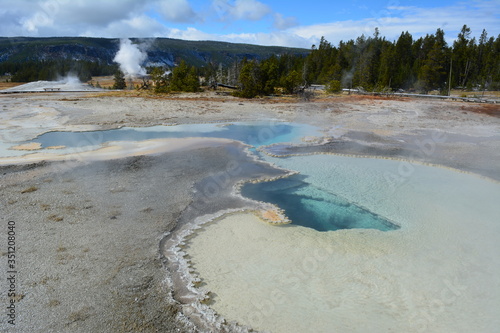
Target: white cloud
138,26
269,39
36,21
63,17
95,12
177,11
251,10
190,34
76,13
283,23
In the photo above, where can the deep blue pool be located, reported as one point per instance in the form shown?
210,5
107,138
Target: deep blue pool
313,207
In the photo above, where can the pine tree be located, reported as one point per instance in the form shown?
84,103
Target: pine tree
433,73
388,66
482,57
269,75
184,78
160,82
462,57
179,76
494,64
291,82
119,80
248,79
192,83
404,76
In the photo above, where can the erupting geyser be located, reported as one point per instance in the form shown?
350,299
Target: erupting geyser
130,58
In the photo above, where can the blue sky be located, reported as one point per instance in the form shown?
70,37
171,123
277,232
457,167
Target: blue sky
265,22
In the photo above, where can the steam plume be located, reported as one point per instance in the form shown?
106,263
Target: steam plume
130,58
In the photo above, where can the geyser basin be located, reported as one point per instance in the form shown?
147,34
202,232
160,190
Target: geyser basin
314,207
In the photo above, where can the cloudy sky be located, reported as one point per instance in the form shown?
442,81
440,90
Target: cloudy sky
265,22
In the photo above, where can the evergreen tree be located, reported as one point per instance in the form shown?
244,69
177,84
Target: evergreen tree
482,58
389,67
179,76
160,81
291,82
269,75
462,57
184,78
433,73
192,83
119,80
404,76
493,64
334,87
248,79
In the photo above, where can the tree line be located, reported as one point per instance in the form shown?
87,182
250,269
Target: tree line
53,69
374,64
424,64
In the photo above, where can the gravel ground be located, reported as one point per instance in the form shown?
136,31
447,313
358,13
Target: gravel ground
88,238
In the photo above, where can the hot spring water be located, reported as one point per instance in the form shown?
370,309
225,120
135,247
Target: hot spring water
306,204
255,134
315,207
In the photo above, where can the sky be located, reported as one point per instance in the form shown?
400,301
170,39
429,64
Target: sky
264,22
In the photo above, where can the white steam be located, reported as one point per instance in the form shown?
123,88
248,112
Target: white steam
130,58
69,79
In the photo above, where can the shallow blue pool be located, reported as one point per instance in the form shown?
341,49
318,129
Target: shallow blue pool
255,134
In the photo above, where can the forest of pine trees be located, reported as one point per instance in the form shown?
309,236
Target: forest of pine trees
375,64
54,69
182,78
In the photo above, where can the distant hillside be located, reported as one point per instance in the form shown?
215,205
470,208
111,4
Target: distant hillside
160,50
